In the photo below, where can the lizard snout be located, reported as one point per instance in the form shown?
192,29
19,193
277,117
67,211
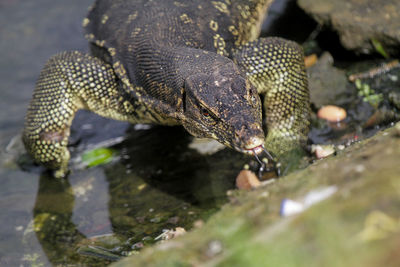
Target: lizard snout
250,137
254,143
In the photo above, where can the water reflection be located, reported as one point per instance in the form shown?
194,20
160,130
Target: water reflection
159,184
31,31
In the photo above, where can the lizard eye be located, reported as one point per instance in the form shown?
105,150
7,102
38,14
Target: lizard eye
211,120
205,112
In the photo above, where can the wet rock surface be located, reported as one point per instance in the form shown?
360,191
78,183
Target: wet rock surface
366,91
357,225
359,23
326,82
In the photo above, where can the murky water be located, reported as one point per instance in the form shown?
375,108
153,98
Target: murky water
102,213
31,31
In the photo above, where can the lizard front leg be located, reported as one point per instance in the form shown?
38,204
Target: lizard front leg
276,67
68,82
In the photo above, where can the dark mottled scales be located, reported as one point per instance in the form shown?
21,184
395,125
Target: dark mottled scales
193,63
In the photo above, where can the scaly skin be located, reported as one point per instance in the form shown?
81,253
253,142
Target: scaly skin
192,63
282,80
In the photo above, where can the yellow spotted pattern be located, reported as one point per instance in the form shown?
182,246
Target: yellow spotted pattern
213,25
70,81
185,19
276,67
219,44
221,6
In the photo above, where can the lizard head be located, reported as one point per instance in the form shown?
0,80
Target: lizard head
222,104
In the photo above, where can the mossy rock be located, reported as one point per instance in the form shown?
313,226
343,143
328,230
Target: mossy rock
359,225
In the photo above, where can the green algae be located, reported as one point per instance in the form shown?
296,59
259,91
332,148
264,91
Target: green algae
251,232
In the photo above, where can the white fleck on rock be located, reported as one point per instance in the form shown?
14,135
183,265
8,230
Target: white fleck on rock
214,248
291,207
359,168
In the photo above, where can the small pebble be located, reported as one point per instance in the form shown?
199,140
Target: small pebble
137,245
332,113
310,60
141,187
322,151
198,223
214,248
247,180
359,168
394,78
179,231
170,234
229,193
341,147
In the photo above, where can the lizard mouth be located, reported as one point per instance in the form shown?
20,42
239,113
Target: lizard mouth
255,150
258,150
254,145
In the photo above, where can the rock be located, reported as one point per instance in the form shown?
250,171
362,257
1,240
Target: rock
291,207
352,217
247,180
332,113
359,23
310,60
381,116
326,82
322,151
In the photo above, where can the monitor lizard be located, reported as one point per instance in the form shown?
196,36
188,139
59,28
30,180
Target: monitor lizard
199,64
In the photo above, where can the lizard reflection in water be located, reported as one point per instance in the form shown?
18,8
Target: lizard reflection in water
197,64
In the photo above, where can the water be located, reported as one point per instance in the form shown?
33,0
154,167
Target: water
31,32
155,183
